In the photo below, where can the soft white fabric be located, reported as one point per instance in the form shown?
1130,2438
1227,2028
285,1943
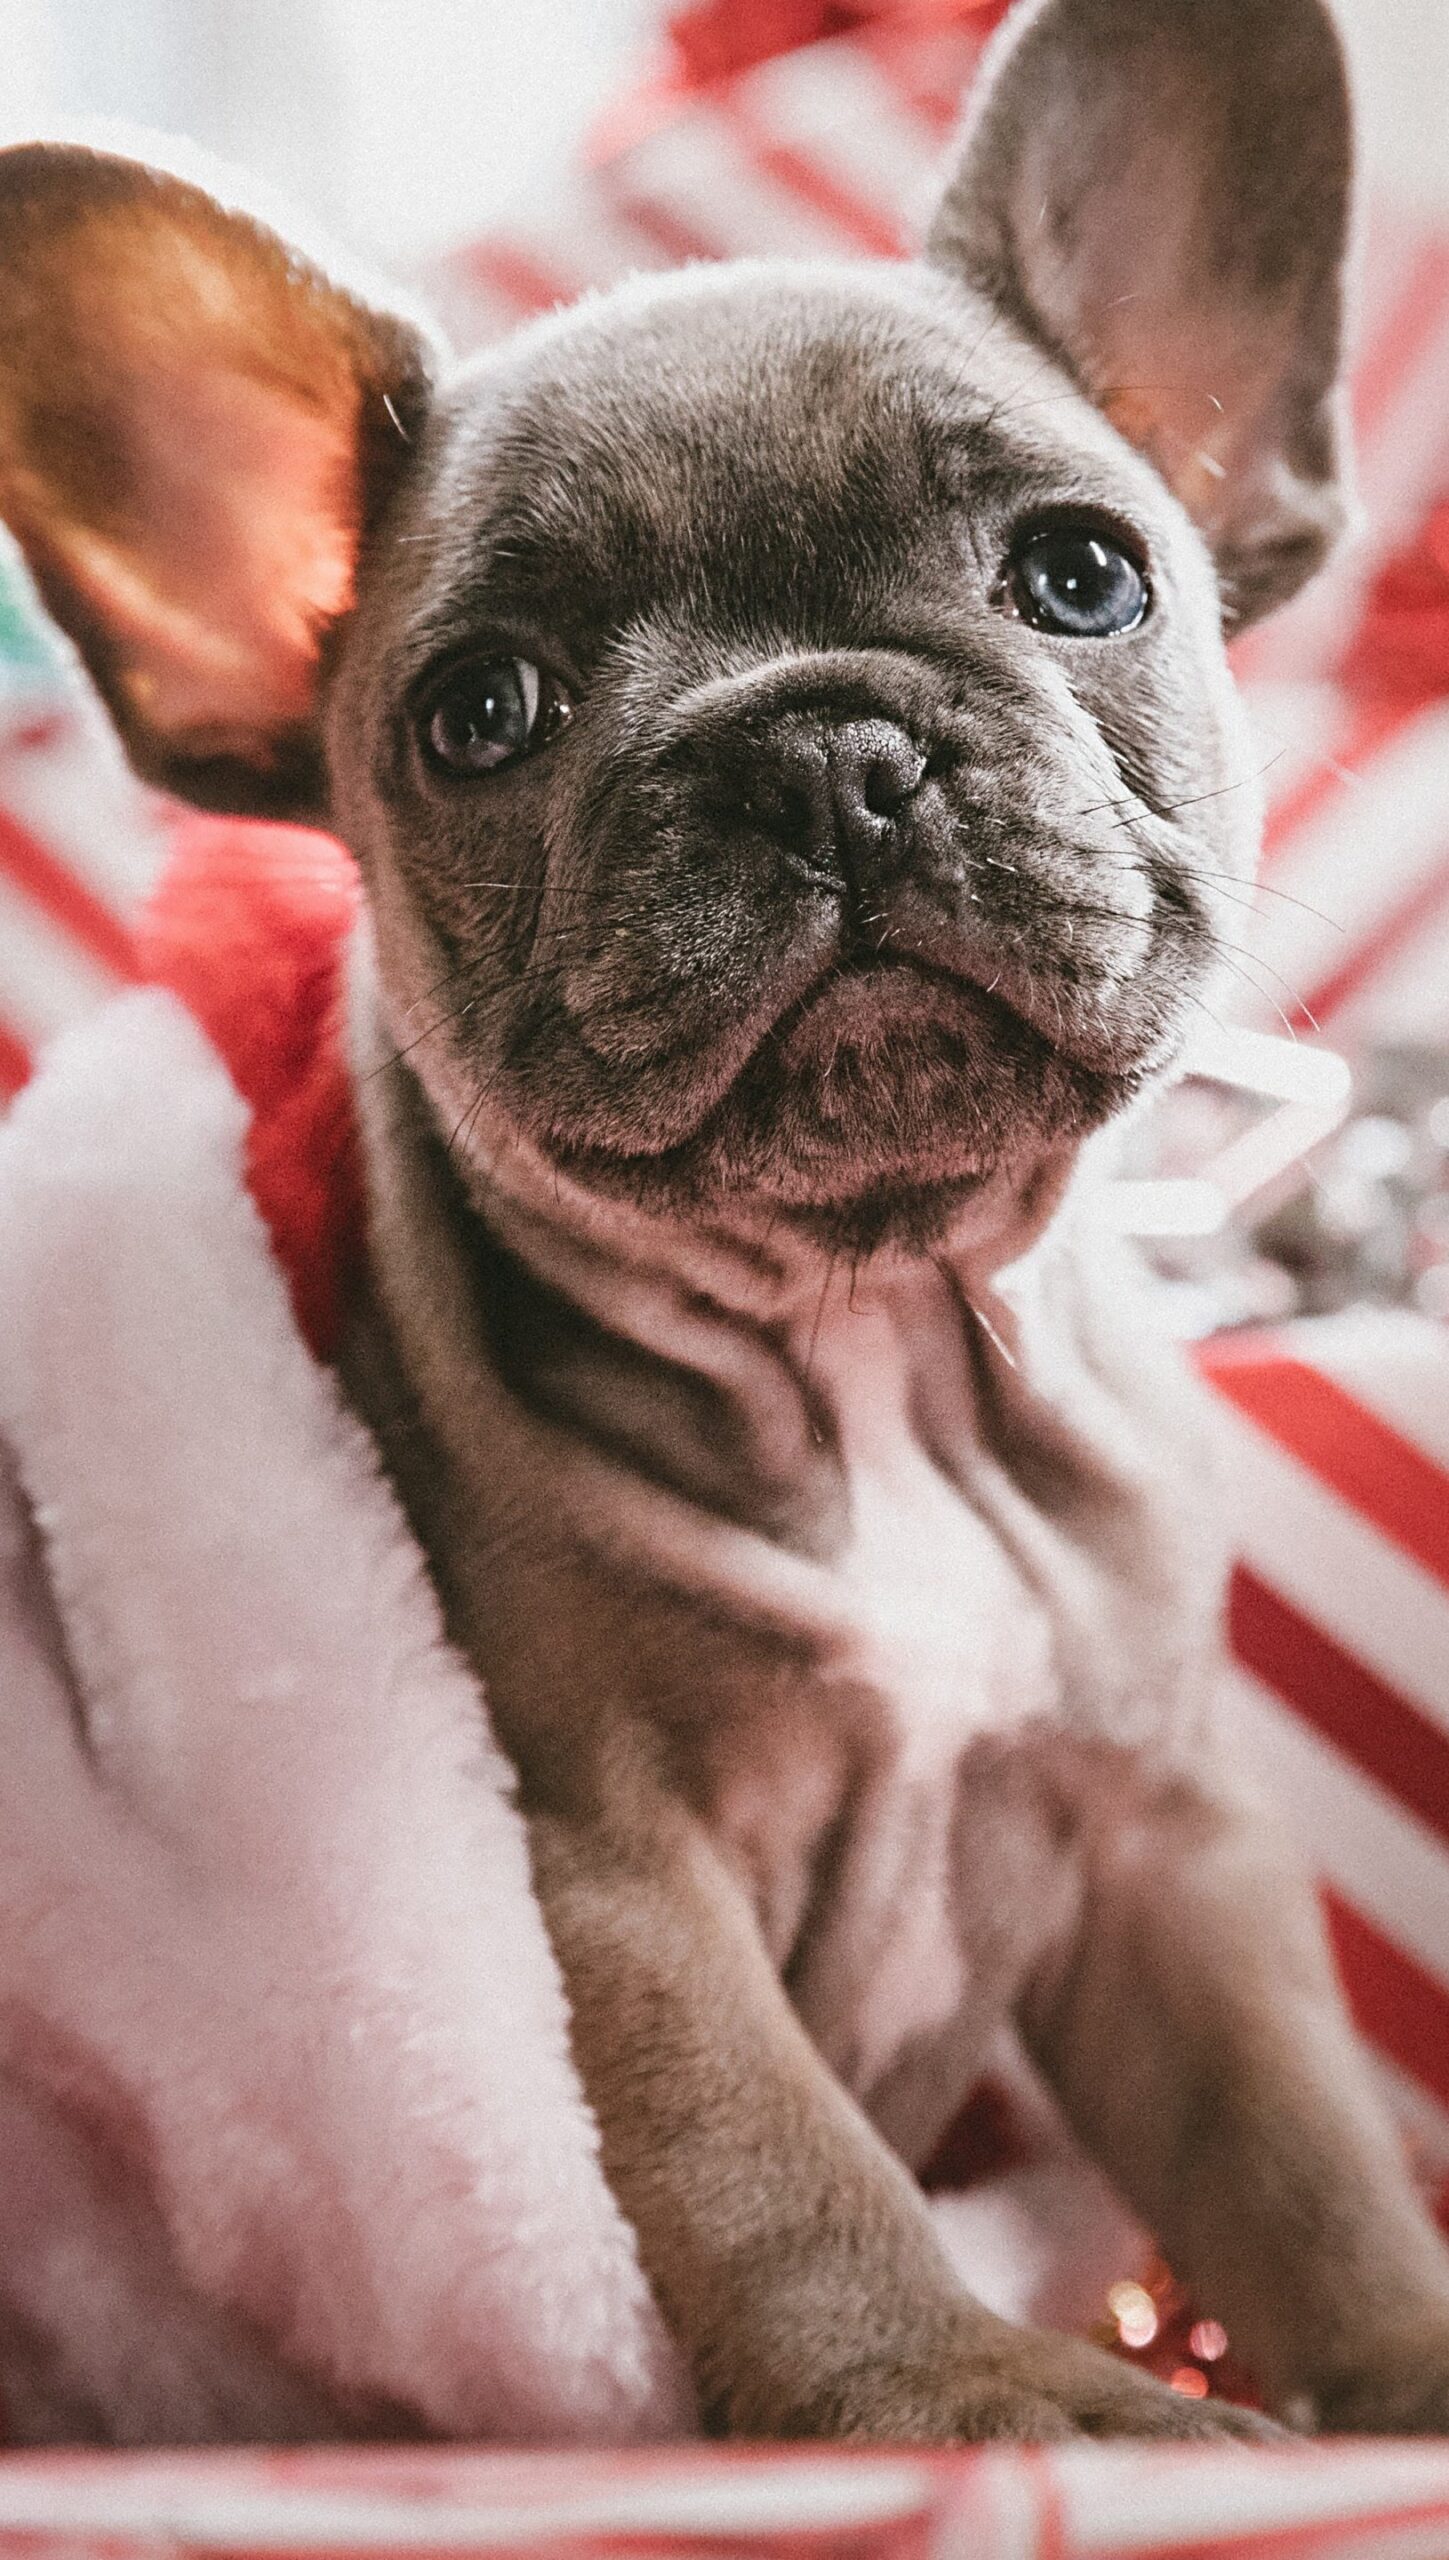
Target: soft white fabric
291,2142
290,2137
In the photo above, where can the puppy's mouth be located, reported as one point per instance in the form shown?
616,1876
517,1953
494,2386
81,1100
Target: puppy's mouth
864,998
890,1067
855,1069
884,1096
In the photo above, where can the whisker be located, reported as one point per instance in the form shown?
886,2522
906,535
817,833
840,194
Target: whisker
1264,996
426,1033
1196,799
463,1128
1241,951
1138,808
1232,881
1266,889
446,980
1215,1019
1127,800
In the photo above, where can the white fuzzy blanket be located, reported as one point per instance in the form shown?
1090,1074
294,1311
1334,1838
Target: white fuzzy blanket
291,2143
285,2054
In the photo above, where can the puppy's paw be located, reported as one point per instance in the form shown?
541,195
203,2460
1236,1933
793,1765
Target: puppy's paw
1025,2387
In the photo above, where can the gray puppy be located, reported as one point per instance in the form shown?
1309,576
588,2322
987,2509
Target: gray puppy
782,720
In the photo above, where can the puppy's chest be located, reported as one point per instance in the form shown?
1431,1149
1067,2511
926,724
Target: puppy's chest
928,1608
1016,1547
1017,1593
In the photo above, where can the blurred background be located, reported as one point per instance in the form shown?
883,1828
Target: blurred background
401,122
407,123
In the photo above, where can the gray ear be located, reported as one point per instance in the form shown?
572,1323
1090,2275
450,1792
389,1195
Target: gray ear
1158,192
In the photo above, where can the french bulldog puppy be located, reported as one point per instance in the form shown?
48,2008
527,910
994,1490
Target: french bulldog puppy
781,716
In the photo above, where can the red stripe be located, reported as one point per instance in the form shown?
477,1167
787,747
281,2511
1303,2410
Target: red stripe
1053,2538
667,231
895,52
1416,311
1394,933
1370,1723
1360,1458
14,1063
666,94
516,276
1397,2004
1352,2533
1372,725
51,886
803,177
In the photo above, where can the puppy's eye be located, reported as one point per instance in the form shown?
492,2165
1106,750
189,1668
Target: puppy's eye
1078,582
484,716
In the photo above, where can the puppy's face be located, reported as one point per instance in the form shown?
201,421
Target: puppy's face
780,712
785,749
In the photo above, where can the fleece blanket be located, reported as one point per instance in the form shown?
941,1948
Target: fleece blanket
289,2134
291,2141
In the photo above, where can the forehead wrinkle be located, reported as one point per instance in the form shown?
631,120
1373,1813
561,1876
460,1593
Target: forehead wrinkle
688,454
713,490
626,481
649,436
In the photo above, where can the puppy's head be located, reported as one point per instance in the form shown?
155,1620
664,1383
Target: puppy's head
780,711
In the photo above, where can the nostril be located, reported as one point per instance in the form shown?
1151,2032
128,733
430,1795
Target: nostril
782,807
830,793
890,780
876,768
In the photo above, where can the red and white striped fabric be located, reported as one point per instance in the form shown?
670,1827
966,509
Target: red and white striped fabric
1344,2502
1349,694
1337,1451
753,141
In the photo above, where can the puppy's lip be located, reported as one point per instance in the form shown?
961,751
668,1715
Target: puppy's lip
981,964
868,991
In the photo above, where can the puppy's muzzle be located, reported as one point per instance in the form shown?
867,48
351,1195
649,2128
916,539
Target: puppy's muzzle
834,796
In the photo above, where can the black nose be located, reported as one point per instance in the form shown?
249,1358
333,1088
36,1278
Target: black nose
832,793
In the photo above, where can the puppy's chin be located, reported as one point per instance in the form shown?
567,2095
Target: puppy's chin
892,1107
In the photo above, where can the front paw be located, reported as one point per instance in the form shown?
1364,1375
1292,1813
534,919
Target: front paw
1019,2386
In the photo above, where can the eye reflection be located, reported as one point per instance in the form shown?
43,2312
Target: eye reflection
1077,582
488,714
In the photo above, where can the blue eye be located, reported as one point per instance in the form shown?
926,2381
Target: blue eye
1078,582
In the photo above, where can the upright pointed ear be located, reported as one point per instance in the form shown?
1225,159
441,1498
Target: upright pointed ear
1158,191
197,428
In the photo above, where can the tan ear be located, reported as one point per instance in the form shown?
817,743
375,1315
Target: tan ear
197,429
1159,192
